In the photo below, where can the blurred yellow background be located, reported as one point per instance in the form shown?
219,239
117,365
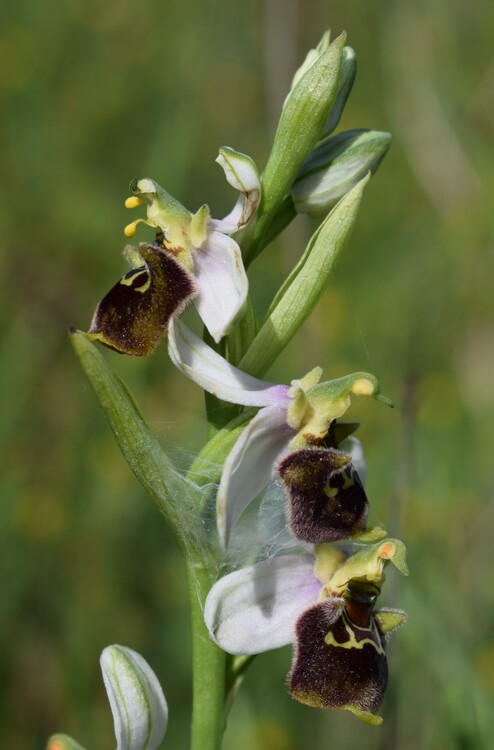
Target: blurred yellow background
96,93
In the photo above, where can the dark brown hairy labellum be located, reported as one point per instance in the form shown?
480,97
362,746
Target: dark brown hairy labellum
326,499
338,664
133,317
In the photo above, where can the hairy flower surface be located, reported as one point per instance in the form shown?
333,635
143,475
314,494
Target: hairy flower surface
323,604
133,317
291,417
326,499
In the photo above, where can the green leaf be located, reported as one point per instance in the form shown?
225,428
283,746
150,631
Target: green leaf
140,448
299,294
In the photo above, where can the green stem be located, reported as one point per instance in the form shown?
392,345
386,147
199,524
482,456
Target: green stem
271,222
208,664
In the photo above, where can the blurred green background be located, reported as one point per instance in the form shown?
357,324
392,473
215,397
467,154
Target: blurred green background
95,93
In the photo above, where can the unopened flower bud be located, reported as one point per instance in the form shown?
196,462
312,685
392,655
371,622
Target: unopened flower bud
310,59
302,122
335,166
62,742
348,74
139,708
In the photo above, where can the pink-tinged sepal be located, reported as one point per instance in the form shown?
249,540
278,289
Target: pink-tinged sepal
199,362
133,317
222,284
339,663
248,468
326,499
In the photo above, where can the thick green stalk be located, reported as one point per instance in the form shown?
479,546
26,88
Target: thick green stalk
208,667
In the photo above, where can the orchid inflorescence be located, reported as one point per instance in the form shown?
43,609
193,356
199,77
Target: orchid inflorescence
319,592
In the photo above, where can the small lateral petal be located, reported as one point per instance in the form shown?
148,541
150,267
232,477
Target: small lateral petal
389,620
221,283
337,663
249,466
215,375
255,609
139,708
133,317
325,497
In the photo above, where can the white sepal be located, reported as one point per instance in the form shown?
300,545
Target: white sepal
222,283
215,375
255,609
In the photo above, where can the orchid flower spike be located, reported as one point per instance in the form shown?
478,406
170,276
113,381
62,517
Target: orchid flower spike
139,708
292,417
323,604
